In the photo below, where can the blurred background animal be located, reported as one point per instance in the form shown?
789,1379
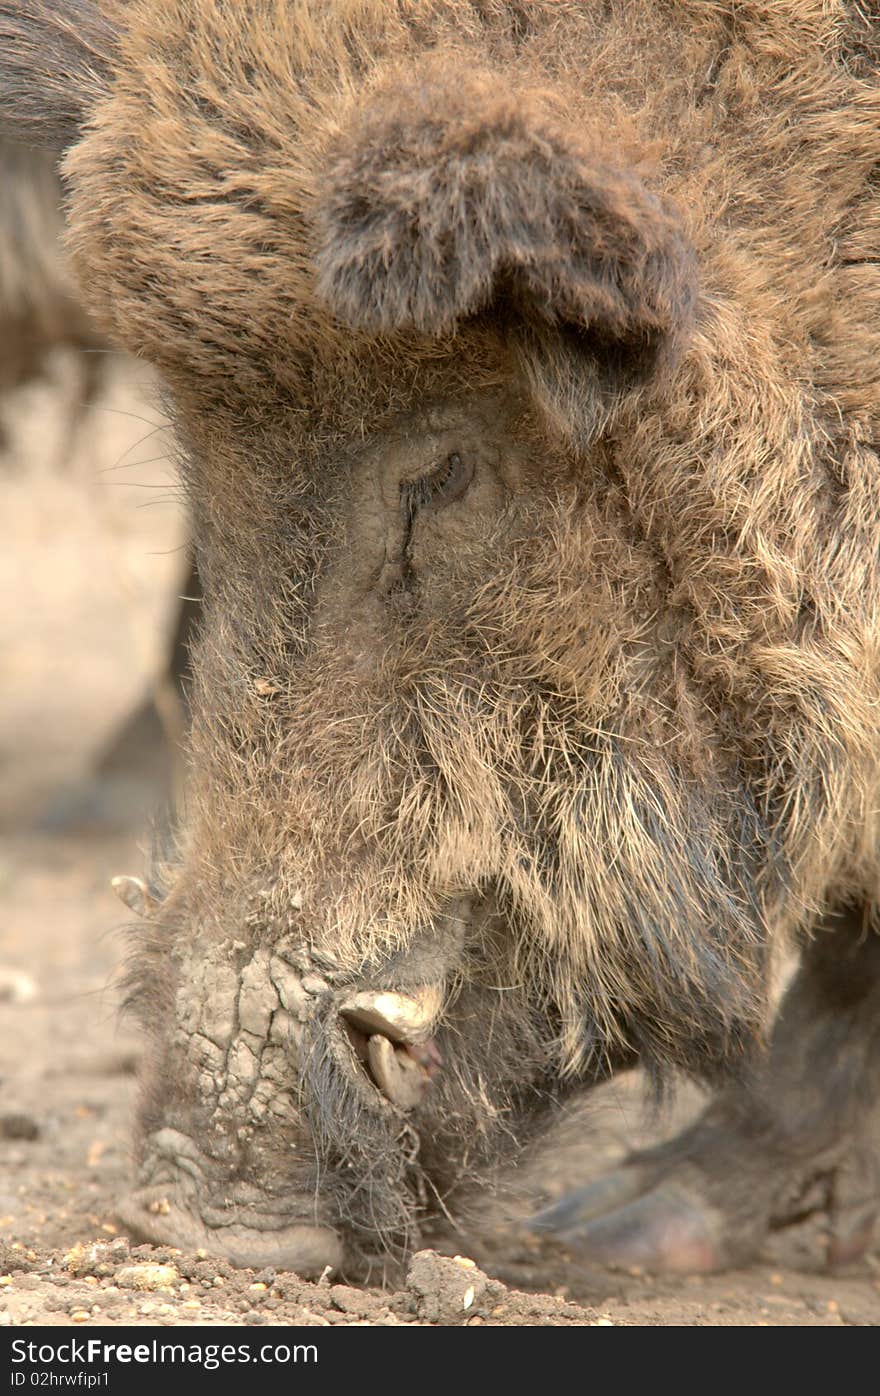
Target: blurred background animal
46,337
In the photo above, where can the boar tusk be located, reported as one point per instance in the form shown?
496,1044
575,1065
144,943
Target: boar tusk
397,1075
406,1018
133,892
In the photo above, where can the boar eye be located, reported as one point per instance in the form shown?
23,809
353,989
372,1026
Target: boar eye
442,485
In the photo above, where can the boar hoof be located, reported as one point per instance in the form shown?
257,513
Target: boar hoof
849,1244
613,1223
708,1200
155,1215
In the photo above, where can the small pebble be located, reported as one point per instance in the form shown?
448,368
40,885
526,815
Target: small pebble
19,1126
146,1276
16,986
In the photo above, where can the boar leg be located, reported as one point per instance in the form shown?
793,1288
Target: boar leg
160,722
801,1135
134,775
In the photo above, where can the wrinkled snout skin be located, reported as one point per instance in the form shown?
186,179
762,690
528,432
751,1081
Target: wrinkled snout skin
527,397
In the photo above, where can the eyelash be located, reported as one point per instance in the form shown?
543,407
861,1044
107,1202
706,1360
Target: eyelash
444,484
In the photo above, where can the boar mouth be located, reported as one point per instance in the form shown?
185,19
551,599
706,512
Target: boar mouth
391,1035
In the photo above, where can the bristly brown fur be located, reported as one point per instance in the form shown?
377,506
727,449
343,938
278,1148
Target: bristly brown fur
625,261
67,47
444,199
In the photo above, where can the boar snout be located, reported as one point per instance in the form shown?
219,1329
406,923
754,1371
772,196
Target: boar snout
226,1158
275,1059
166,1216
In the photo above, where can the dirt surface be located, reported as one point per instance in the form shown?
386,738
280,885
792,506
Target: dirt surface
91,561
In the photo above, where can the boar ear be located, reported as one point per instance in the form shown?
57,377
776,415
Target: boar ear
451,195
54,60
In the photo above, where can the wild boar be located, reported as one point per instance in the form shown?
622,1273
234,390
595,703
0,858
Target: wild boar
41,312
38,306
136,775
526,364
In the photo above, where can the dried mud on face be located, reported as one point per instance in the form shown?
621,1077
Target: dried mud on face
89,569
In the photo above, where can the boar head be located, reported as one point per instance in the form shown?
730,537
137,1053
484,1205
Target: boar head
477,801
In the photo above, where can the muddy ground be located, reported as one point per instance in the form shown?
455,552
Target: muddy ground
89,567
